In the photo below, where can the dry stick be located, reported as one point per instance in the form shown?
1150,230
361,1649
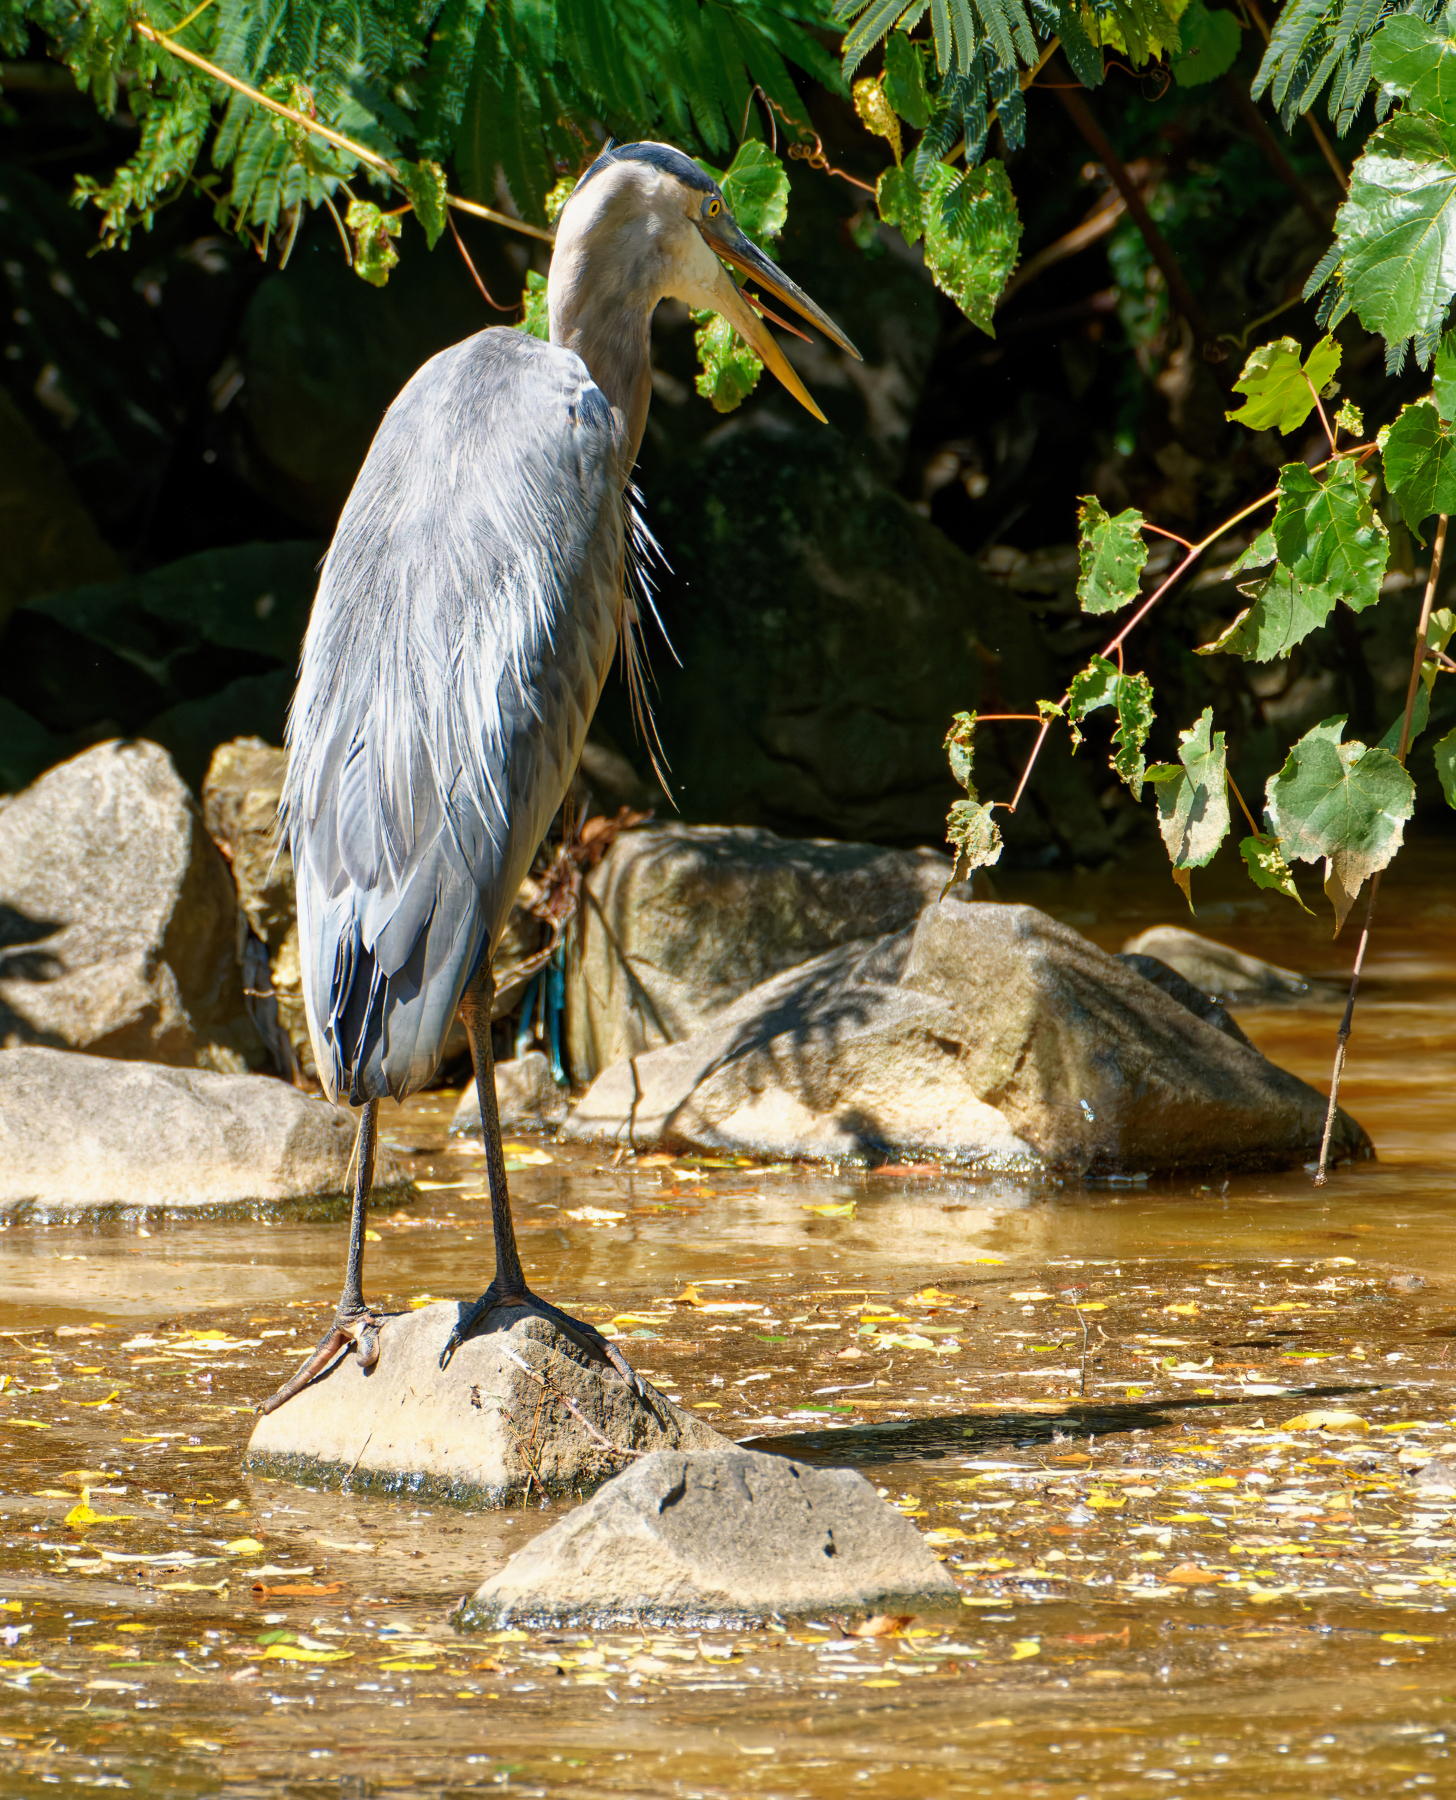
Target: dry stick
1159,249
571,1407
326,132
1273,154
1337,168
1321,1174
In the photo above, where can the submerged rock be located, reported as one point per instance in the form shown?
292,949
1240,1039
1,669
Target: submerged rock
730,1535
681,921
493,1425
1218,970
118,919
525,1094
986,1036
78,1133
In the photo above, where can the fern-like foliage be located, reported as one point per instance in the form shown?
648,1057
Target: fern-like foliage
516,86
1326,43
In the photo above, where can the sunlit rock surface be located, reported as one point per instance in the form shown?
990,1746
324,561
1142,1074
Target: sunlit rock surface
525,1094
681,921
84,1132
1218,969
118,917
725,1535
493,1425
986,1036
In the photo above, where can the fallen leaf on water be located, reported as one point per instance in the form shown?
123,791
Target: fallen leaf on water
526,1153
1279,1306
439,1187
1107,1502
1401,1637
932,1296
396,1667
193,1587
81,1513
1025,1647
594,1215
34,1424
945,1534
1186,1309
372,1237
487,1665
419,1300
1190,1575
295,1653
1032,1294
879,1625
297,1587
832,1209
1326,1421
361,1548
245,1546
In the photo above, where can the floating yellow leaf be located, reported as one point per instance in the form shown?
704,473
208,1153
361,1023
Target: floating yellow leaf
832,1209
594,1215
246,1546
440,1187
10,1605
393,1668
1326,1421
1025,1647
296,1653
1186,1309
945,1534
34,1424
1402,1637
81,1513
1033,1294
1280,1306
527,1153
1106,1502
419,1300
113,1395
372,1237
200,1449
932,1296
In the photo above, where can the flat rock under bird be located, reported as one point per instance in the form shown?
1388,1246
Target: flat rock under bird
469,608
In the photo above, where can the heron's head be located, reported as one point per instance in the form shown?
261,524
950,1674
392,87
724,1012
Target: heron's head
646,224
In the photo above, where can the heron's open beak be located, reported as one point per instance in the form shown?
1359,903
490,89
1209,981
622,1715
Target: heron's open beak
725,238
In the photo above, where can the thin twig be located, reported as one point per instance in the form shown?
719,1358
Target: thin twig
1081,1320
1324,417
474,273
570,1405
1243,804
359,1458
1342,1040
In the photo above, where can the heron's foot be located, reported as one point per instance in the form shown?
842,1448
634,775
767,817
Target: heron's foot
578,1330
355,1329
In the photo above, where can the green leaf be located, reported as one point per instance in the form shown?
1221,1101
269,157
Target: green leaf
425,184
1420,462
1285,611
1081,52
1411,56
960,747
373,232
1260,552
536,318
1394,257
1439,630
1267,867
901,203
1350,418
1329,534
1209,46
1343,803
1280,387
1101,683
905,80
971,236
730,368
1444,377
974,834
1094,686
1111,552
1193,813
1445,754
755,190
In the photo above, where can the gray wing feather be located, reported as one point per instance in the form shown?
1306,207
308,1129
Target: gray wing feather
465,621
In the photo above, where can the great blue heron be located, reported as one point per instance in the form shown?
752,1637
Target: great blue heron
465,621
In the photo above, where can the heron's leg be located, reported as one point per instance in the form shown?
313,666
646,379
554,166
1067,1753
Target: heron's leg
353,1322
509,1286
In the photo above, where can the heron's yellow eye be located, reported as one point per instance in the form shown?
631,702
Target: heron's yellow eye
714,208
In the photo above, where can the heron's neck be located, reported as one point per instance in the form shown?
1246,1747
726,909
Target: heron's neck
604,314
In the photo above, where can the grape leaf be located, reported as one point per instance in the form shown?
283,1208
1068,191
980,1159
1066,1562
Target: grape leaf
535,317
1090,688
1193,813
1284,612
1261,551
971,236
374,252
905,80
1267,867
1102,684
1112,554
1394,256
1209,47
1411,56
1444,377
1343,803
1328,532
1281,389
425,184
1445,754
1420,462
730,368
969,827
901,203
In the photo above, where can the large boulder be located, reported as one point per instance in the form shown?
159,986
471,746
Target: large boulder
520,1409
727,1536
987,1036
119,930
680,921
80,1134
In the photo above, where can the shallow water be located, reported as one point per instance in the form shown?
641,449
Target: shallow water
1164,1590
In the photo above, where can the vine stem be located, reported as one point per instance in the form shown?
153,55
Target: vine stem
1342,1040
327,133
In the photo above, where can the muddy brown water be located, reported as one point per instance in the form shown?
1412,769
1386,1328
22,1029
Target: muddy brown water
1208,1567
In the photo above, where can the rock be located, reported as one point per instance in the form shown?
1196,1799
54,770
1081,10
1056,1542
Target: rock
1184,992
525,1094
680,921
1439,1474
479,1432
723,1536
78,1133
118,919
826,635
1216,969
987,1036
